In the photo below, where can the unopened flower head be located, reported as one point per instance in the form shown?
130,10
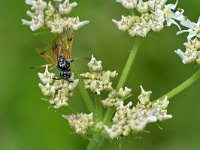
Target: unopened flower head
154,15
51,16
130,119
57,91
115,96
80,122
97,79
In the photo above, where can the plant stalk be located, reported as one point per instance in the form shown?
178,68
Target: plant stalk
84,93
122,80
96,142
182,86
99,109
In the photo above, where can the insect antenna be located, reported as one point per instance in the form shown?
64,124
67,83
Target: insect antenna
42,66
75,59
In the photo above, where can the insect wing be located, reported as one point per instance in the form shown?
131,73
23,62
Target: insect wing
48,54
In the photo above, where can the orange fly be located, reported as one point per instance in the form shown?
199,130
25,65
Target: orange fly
59,55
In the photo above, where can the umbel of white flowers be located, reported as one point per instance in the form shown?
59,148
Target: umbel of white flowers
97,79
154,15
127,119
50,15
131,119
57,91
80,122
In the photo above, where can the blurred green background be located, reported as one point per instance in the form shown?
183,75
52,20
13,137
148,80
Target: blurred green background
27,123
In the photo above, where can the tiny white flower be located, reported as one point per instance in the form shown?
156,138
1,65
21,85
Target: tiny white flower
37,4
37,20
194,28
46,77
125,92
141,29
50,10
57,26
66,7
75,23
142,7
80,122
128,4
188,56
95,65
125,23
156,4
144,97
168,14
47,89
192,44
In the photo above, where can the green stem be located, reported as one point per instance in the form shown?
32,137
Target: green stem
123,78
182,86
96,142
99,110
86,96
84,93
128,65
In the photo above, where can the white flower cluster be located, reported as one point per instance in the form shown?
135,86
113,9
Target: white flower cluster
98,80
57,91
115,96
130,119
154,15
192,52
51,16
80,122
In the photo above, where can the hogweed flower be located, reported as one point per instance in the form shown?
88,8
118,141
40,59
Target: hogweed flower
97,79
192,52
127,119
131,119
51,16
80,122
57,91
115,96
154,15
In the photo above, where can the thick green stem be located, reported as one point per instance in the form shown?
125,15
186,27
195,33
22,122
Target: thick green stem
123,78
183,86
128,65
85,96
84,93
96,142
99,110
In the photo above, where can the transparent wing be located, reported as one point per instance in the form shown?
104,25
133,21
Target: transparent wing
48,54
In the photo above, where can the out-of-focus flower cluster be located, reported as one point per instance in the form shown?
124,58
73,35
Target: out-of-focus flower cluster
154,15
52,15
57,91
192,52
131,119
80,122
98,80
